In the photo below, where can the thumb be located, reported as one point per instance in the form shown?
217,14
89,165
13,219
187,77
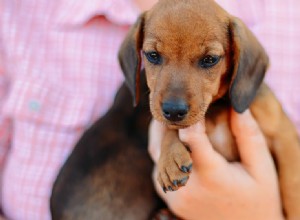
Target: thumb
203,154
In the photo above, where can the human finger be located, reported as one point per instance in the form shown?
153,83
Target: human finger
203,154
156,132
251,143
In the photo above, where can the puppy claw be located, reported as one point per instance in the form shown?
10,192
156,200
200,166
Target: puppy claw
175,183
165,189
183,181
186,169
170,188
190,167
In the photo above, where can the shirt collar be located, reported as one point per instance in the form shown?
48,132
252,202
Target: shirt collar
76,12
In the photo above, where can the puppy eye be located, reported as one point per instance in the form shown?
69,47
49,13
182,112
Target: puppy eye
153,57
209,61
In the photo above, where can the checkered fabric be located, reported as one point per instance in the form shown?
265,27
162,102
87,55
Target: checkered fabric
59,72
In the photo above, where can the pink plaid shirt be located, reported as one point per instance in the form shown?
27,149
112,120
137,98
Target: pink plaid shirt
59,72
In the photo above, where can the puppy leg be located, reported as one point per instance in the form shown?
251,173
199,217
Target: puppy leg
284,145
175,162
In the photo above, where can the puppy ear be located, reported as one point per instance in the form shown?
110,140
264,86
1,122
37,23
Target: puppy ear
250,63
130,57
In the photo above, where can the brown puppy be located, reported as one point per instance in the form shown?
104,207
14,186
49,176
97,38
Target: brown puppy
199,61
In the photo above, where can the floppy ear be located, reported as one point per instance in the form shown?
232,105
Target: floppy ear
250,63
130,57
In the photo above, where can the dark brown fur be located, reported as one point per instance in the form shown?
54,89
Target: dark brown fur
108,174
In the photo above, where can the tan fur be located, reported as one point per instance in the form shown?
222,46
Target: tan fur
184,32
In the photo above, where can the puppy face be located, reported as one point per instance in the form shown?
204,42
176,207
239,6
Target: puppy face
194,53
186,56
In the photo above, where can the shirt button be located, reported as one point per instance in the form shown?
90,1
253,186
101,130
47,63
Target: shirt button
34,105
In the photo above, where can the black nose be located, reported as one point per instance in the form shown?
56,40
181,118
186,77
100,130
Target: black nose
175,110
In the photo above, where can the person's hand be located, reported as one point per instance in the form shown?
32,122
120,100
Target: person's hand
217,189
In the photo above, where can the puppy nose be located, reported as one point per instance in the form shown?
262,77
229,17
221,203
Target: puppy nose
175,110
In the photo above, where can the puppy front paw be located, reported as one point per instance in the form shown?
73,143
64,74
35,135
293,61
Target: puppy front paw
174,167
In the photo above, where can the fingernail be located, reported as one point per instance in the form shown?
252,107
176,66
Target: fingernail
247,117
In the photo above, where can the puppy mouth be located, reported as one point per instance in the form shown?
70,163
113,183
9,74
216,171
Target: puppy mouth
176,126
177,113
189,120
159,116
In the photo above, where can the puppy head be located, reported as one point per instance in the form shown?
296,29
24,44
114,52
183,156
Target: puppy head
194,53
